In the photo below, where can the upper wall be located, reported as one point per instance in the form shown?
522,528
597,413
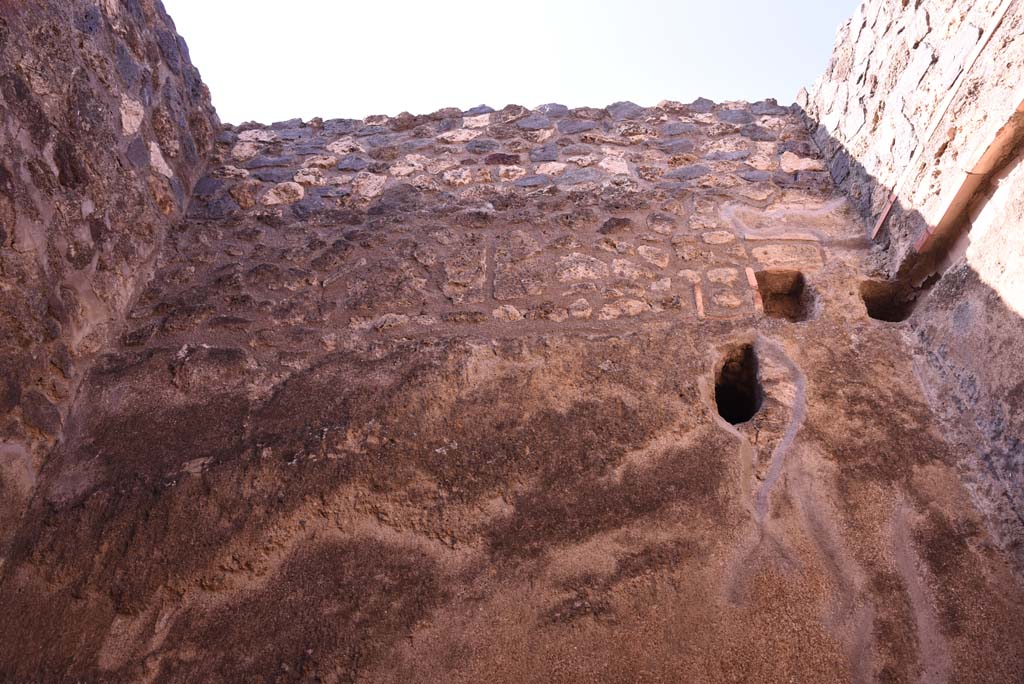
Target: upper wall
104,128
914,98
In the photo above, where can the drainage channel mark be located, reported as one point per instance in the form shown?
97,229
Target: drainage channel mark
784,390
739,395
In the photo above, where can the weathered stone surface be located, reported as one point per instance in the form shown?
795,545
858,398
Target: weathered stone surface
283,193
917,118
573,126
104,129
470,400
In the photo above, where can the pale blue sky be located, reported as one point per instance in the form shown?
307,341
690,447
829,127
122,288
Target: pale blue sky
268,60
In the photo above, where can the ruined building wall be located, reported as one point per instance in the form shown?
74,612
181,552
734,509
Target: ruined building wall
104,128
919,116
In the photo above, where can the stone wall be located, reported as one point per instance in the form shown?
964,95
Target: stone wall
920,116
911,102
968,332
104,128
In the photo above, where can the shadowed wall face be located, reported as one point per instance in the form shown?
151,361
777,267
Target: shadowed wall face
969,331
104,128
919,116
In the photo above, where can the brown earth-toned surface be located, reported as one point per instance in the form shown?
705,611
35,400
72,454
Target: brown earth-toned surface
434,399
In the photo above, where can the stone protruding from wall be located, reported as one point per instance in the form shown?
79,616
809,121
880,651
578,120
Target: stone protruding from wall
917,106
105,126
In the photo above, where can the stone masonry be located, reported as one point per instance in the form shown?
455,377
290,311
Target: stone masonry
920,116
104,127
603,394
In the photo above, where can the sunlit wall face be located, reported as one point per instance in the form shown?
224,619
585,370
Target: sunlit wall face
269,60
996,251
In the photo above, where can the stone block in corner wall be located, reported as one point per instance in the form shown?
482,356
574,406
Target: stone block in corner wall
105,126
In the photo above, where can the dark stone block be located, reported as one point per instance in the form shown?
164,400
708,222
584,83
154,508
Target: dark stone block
553,110
134,9
574,176
577,150
307,148
735,116
265,161
352,162
754,175
572,126
71,171
758,133
138,153
503,159
6,182
372,129
168,44
293,134
89,20
86,112
478,110
273,175
189,154
615,225
397,200
331,191
377,140
219,208
625,110
308,206
340,126
839,167
681,146
281,126
732,155
674,188
547,152
533,181
801,148
535,122
208,186
768,108
701,105
482,146
414,146
675,128
446,125
127,67
22,102
684,173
